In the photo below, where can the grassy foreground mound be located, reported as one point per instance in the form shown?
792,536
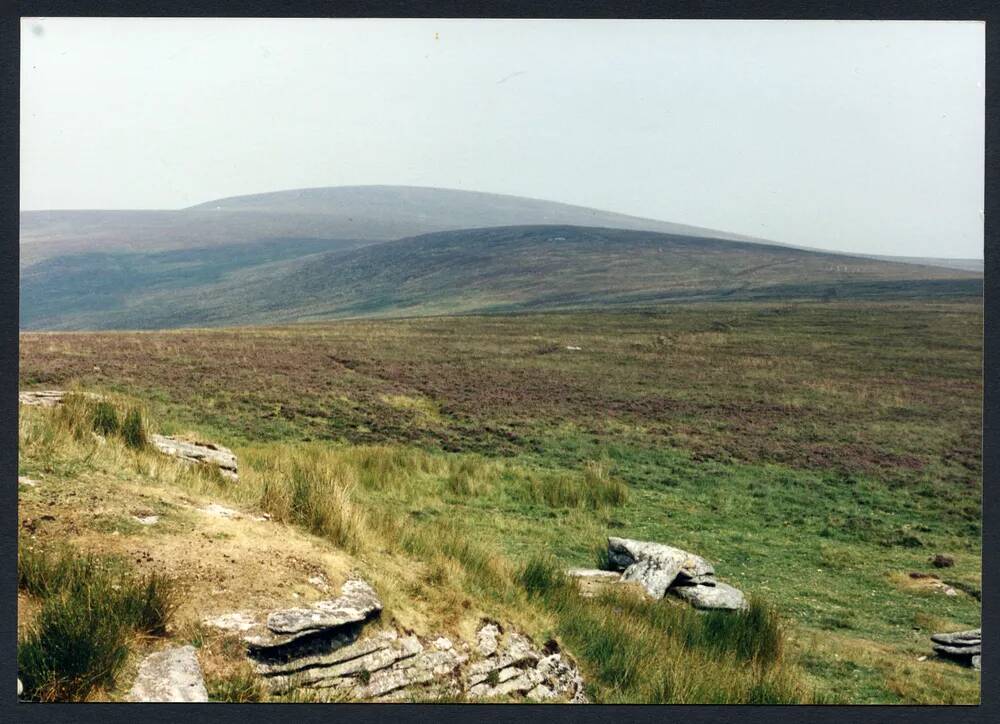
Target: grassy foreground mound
86,615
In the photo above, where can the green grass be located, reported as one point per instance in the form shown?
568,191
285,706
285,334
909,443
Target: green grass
655,652
90,610
816,454
242,686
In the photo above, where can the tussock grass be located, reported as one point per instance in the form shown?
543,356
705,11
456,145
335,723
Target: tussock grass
652,651
312,488
594,489
105,418
241,686
133,429
91,608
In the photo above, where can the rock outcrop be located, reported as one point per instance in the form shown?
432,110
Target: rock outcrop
963,646
337,620
41,398
203,453
514,667
320,649
661,569
170,675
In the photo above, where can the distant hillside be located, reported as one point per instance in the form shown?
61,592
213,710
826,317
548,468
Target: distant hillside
501,270
361,213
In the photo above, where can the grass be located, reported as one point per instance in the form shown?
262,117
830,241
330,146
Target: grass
812,452
90,610
242,686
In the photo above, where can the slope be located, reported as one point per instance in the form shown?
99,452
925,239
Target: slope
514,269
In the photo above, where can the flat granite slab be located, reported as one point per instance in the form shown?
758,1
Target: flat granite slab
172,675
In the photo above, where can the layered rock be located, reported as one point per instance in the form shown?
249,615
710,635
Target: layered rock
171,675
515,667
49,398
661,569
964,646
203,453
339,619
41,398
320,649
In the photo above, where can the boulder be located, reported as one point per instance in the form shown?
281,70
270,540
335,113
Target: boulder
720,596
170,675
203,453
593,573
487,639
657,566
959,638
357,603
966,646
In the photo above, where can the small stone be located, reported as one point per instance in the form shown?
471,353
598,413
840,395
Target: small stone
220,511
21,480
319,582
20,687
170,675
146,519
487,639
720,596
977,663
541,693
442,644
593,573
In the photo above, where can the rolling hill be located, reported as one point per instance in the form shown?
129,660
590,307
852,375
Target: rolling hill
486,270
361,214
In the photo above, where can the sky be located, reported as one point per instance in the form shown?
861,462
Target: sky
850,136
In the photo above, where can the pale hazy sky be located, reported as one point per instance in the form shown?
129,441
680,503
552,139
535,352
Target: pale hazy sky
855,136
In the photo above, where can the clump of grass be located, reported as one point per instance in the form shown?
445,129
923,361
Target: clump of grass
541,575
466,478
91,607
133,429
148,603
593,489
237,687
81,414
309,487
105,418
75,645
601,559
754,636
